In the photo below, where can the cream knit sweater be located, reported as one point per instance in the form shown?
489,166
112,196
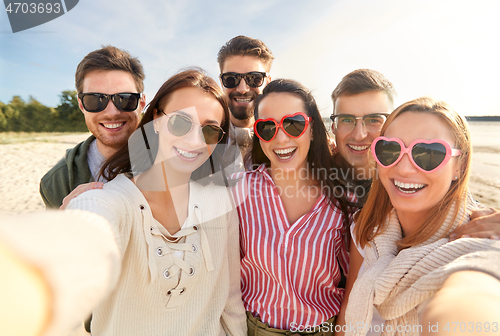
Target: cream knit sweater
397,282
121,266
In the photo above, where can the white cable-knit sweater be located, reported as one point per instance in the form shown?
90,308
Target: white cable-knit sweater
398,282
133,277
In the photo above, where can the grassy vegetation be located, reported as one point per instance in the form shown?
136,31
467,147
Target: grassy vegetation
22,137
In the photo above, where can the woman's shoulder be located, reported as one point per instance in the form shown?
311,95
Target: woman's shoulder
118,193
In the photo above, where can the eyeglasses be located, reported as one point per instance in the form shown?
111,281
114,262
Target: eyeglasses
294,125
427,156
253,79
345,123
180,124
97,102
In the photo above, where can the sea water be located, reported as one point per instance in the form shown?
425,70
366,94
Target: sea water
486,151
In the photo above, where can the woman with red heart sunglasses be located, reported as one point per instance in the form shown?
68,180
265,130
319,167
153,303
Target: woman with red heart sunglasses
293,216
400,236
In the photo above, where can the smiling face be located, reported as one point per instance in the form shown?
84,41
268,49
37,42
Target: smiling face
111,127
412,192
242,98
284,152
354,146
184,154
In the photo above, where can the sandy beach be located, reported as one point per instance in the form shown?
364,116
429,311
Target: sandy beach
24,163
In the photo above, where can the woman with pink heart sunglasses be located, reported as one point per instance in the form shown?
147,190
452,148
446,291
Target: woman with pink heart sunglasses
400,238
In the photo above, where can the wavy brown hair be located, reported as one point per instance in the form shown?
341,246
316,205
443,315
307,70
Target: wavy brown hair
120,162
371,220
245,46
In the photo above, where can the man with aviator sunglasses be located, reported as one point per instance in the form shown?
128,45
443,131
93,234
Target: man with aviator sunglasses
244,64
109,83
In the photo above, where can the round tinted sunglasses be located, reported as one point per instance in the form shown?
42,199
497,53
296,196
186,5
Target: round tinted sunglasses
426,155
253,79
294,125
96,102
180,124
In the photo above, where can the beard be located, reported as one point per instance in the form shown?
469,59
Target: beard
242,112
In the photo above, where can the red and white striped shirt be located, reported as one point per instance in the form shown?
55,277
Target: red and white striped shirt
289,271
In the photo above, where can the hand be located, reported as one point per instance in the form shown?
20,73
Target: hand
484,224
80,190
26,296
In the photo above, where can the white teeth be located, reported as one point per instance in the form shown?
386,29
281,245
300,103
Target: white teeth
285,154
284,151
243,100
186,154
414,186
358,148
112,125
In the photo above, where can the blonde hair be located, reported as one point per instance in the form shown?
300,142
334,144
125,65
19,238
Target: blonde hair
371,220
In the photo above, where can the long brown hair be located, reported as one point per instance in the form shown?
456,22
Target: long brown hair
370,221
120,162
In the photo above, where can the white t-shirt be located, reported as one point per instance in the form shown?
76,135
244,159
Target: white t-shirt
95,161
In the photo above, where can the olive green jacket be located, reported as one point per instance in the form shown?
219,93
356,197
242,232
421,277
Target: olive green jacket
66,175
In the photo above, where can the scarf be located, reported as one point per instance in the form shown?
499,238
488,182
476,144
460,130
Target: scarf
396,282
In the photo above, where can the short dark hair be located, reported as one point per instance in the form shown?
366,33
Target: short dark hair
245,46
106,59
363,80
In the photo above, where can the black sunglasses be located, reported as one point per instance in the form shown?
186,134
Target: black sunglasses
253,79
97,102
180,125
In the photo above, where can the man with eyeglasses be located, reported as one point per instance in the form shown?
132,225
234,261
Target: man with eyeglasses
361,103
244,64
109,83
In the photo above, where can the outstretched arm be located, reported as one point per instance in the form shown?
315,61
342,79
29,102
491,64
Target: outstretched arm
26,298
467,299
56,266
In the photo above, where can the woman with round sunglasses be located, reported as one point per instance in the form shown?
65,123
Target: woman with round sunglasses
164,257
293,217
400,237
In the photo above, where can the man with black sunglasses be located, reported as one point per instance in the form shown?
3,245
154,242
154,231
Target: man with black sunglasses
109,83
244,64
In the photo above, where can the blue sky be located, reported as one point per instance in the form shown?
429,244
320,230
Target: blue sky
444,48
